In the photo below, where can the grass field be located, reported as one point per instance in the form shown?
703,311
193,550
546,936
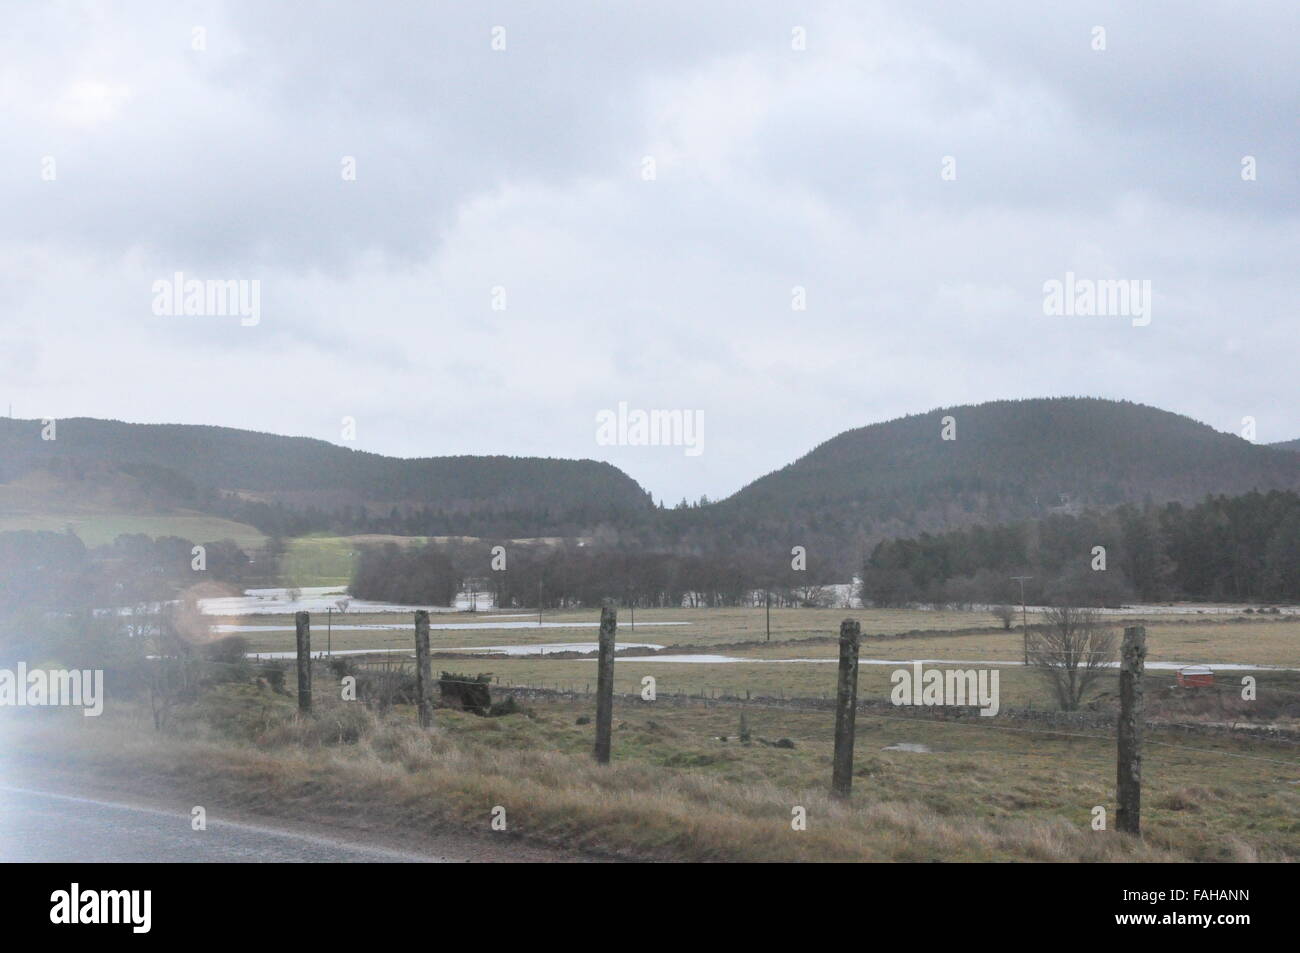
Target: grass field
677,790
887,633
97,529
325,560
684,786
796,634
322,559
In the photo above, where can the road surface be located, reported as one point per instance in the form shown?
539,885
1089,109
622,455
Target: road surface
46,826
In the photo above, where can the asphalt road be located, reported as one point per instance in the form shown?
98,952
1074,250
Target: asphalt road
43,826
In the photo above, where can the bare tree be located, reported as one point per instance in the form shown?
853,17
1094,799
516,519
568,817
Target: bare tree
813,596
1004,614
173,674
1072,649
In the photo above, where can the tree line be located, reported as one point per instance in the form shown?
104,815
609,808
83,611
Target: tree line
57,572
571,576
1232,549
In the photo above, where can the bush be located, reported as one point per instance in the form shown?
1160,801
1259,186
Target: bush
382,688
467,692
338,726
231,650
507,707
274,675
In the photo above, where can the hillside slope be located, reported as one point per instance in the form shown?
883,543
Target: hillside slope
1009,459
301,473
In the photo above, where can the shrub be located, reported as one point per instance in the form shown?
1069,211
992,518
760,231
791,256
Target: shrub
467,692
274,675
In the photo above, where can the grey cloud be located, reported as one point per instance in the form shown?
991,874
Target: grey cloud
775,168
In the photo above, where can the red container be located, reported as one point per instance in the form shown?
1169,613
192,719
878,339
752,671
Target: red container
1196,676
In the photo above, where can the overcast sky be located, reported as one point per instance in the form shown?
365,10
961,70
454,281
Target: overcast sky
524,169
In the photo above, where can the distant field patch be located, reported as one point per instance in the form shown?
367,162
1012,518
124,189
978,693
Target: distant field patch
328,560
97,529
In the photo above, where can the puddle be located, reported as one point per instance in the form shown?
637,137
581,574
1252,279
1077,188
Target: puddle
543,649
321,598
537,649
934,662
907,746
318,626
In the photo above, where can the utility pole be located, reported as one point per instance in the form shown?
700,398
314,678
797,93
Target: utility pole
769,615
329,632
1024,617
539,603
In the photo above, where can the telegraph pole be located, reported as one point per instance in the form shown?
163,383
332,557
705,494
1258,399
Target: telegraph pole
1024,618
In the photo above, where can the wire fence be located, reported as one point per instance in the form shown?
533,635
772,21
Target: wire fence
964,717
1092,726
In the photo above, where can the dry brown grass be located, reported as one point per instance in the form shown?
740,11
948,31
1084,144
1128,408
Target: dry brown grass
674,791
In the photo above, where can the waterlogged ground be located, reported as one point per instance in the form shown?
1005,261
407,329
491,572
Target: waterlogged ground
542,648
683,784
227,629
322,599
728,651
1186,634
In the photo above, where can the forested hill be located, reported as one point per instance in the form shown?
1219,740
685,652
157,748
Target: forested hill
1007,460
1293,445
1225,549
303,473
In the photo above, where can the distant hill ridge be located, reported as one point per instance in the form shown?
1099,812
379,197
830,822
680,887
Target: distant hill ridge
1007,460
306,471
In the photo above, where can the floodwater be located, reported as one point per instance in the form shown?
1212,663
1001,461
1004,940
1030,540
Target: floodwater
707,659
322,598
225,629
535,649
947,662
